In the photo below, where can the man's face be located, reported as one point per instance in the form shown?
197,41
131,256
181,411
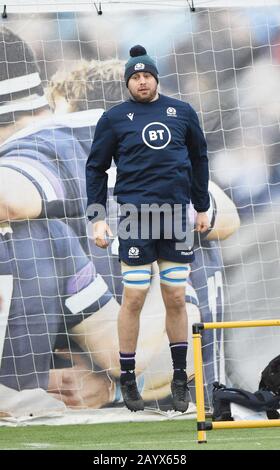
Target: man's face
143,86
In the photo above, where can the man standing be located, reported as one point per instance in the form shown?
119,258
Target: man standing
161,157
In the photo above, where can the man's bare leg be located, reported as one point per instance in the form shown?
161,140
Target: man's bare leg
136,282
176,327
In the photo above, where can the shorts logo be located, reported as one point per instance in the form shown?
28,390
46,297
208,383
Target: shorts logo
139,66
133,252
171,112
156,135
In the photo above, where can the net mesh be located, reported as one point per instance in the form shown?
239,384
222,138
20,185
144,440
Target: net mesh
226,63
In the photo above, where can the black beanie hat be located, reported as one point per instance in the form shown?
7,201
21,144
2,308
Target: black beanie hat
139,62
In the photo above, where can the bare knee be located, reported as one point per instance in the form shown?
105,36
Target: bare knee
133,299
174,298
176,303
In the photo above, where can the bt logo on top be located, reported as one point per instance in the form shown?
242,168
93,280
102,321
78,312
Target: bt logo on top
156,135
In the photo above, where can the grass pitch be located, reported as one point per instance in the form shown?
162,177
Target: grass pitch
167,435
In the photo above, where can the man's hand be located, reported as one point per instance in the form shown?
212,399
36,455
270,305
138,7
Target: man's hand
79,386
100,229
202,222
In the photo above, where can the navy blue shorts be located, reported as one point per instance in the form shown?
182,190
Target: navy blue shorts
157,242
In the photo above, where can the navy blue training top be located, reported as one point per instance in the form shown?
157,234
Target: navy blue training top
159,150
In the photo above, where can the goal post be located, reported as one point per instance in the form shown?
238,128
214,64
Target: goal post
202,424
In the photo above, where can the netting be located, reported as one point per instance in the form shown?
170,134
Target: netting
58,291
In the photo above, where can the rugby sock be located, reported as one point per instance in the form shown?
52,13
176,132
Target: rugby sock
127,362
179,359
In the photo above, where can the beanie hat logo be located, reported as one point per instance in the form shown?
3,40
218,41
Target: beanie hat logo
139,66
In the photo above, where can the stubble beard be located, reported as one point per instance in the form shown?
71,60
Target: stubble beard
145,99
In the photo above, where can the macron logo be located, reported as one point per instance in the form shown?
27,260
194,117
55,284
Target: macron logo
130,116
